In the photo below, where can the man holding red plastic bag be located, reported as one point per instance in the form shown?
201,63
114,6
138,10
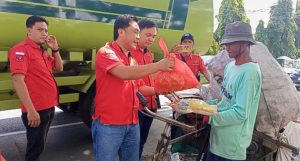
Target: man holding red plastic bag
115,126
179,79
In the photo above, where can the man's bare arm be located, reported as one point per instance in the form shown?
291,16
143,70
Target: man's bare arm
137,72
22,91
147,90
58,65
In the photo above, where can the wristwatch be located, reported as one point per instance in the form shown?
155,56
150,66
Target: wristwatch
54,51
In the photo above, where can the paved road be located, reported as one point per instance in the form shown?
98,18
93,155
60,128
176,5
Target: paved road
68,139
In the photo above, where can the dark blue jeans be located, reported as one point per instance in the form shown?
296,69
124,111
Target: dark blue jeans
145,124
212,157
36,136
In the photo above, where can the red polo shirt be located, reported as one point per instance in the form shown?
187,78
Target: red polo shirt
116,102
144,58
194,61
27,58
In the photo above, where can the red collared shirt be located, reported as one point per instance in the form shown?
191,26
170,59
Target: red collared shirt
27,58
116,102
143,59
194,61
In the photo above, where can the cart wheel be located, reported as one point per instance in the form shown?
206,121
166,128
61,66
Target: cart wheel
164,157
86,105
252,150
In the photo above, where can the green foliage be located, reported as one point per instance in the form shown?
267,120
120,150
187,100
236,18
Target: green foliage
281,30
297,17
230,11
213,49
261,32
297,36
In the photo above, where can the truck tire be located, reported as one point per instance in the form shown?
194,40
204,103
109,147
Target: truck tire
86,105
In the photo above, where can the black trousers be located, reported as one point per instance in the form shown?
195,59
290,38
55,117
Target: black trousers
36,136
145,124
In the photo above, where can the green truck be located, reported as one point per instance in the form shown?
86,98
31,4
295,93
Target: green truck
82,26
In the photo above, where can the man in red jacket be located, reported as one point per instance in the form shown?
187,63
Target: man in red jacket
143,56
115,127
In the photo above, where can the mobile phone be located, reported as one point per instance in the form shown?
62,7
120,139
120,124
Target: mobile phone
185,48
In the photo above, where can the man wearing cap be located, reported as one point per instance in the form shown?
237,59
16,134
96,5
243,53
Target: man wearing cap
232,127
184,52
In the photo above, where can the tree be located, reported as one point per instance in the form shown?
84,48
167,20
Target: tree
297,20
281,30
261,32
230,11
213,49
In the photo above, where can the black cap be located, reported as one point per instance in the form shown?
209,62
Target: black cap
187,36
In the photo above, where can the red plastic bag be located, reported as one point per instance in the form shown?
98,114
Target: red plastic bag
179,79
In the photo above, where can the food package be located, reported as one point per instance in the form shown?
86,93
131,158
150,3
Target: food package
195,106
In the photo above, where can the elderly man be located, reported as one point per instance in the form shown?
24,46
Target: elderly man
232,127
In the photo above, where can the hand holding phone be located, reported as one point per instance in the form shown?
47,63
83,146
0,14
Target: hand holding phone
185,48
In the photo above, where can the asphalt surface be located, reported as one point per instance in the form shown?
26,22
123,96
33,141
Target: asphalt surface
68,139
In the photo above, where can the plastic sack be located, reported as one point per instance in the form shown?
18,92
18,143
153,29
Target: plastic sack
216,67
279,102
290,136
179,79
210,91
218,63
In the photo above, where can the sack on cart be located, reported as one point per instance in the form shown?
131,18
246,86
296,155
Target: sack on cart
216,67
290,136
280,102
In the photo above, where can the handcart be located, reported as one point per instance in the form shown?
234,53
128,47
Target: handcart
262,147
166,140
265,148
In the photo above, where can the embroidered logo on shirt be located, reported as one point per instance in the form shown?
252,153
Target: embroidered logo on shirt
110,54
20,56
133,62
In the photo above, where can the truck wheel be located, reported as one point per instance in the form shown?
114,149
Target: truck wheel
86,105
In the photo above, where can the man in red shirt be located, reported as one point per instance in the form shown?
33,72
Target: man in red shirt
144,56
194,61
184,52
115,127
31,69
1,157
